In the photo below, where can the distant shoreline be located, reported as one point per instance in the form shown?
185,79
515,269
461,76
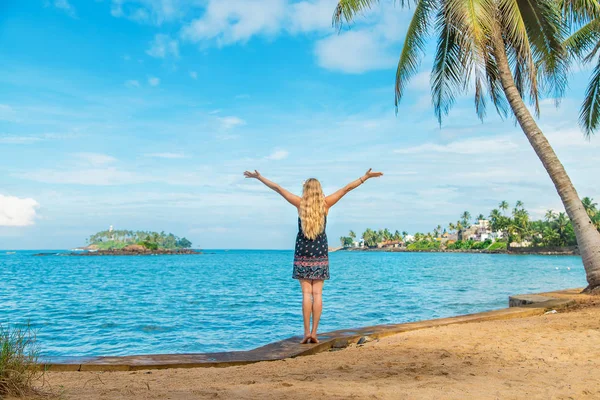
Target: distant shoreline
541,251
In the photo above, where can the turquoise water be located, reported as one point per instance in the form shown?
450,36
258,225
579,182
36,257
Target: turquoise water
239,300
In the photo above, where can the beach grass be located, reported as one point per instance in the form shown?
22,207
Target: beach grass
18,362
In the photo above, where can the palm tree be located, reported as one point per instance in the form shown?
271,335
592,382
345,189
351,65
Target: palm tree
480,217
465,218
352,235
561,223
584,44
459,228
550,215
519,204
504,206
590,206
511,49
451,227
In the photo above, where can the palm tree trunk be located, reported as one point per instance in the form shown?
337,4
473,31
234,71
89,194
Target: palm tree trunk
588,237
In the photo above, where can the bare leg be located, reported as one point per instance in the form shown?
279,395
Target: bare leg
306,307
317,307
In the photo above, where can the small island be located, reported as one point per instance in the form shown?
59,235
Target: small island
113,242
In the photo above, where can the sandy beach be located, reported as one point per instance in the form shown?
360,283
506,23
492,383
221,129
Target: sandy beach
553,356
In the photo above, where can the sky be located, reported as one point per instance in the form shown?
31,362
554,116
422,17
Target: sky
143,114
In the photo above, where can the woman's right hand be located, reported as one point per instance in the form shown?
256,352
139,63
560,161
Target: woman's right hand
249,174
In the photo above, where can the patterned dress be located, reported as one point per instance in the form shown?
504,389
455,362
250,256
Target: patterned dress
311,259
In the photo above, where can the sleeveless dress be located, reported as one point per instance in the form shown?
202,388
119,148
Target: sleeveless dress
311,258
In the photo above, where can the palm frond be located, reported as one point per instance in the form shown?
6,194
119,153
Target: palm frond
583,39
592,54
494,85
448,73
476,25
580,11
547,31
347,10
414,46
519,50
590,109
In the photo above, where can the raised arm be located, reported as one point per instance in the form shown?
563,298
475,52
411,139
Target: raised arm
335,197
290,197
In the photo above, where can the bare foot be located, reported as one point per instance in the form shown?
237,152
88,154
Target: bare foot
306,339
313,339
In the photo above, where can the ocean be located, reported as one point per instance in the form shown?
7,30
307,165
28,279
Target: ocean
242,299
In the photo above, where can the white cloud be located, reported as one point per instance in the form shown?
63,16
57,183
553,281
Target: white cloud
86,176
231,122
7,113
19,139
233,21
163,46
278,155
193,75
307,16
369,46
30,139
166,155
153,81
132,83
154,12
478,145
65,6
15,211
95,159
354,52
421,82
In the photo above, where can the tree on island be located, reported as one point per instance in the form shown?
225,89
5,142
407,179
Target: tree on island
118,239
511,50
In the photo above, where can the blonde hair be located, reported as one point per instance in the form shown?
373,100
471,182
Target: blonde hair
312,209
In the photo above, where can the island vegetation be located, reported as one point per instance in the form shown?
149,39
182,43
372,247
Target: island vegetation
120,239
497,232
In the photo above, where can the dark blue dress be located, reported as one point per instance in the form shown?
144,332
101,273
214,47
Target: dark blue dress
311,258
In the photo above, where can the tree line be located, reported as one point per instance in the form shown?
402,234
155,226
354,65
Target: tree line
152,240
515,225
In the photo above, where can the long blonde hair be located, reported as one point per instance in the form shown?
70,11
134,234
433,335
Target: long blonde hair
312,209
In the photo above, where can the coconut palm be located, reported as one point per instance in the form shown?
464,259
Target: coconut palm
465,218
584,45
561,223
590,206
352,235
504,206
511,50
451,227
550,215
459,227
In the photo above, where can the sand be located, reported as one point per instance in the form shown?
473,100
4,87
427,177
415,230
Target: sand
554,356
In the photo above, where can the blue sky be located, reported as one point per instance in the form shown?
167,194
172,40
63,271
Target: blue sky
143,114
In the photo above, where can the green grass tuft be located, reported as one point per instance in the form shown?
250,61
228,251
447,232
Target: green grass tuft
18,362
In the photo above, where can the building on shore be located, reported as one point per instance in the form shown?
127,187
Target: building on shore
389,244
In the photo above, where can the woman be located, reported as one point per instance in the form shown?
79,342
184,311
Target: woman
311,259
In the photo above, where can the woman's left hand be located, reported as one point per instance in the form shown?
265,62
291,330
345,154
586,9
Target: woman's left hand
371,174
254,174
